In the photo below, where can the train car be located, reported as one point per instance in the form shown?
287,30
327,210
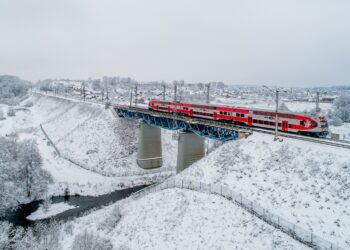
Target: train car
306,124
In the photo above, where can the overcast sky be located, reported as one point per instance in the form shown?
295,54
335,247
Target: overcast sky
284,42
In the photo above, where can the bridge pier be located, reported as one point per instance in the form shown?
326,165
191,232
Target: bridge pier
190,149
149,152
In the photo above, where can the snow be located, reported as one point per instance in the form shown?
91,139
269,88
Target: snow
305,183
343,131
180,219
84,127
53,209
302,182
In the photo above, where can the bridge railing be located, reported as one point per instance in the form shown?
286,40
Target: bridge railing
304,236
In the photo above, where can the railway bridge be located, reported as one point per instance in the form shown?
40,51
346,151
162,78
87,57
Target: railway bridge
193,132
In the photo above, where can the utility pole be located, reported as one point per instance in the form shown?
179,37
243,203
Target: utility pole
135,95
318,102
163,91
277,91
84,91
208,92
276,116
175,97
130,97
107,98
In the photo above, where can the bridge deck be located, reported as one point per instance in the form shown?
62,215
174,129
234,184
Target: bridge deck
203,127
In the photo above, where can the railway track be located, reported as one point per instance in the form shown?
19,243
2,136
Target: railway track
324,141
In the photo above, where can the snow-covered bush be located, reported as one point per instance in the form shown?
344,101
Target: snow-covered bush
42,236
341,109
283,107
90,241
47,204
5,230
335,120
11,111
12,89
29,104
2,117
111,221
22,178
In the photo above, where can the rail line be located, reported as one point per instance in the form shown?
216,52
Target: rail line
239,128
324,141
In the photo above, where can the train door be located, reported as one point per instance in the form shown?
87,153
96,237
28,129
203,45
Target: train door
250,120
284,125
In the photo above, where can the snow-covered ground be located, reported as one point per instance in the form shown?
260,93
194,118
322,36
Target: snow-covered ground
178,219
343,131
304,183
90,135
52,210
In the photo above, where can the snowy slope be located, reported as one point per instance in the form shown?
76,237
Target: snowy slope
90,134
305,183
180,219
107,135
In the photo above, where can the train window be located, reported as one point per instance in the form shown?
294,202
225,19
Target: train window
225,113
237,115
242,115
289,125
255,121
272,123
314,124
302,123
266,122
279,124
260,122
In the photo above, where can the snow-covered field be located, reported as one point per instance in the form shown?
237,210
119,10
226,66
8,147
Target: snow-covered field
304,183
178,219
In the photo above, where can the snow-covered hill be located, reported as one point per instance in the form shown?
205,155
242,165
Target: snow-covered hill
305,183
90,134
177,219
102,144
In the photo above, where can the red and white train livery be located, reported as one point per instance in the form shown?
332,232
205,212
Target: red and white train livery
306,124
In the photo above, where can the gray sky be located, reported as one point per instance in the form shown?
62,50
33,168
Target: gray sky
285,42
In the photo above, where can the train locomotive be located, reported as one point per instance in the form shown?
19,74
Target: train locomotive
305,124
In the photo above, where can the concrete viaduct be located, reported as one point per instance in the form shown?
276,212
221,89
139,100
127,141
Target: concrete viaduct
191,145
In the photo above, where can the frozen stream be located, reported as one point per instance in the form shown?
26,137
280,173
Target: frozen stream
81,203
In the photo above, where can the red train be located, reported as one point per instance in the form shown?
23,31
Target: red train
305,124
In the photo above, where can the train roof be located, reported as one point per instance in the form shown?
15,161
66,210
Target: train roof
239,107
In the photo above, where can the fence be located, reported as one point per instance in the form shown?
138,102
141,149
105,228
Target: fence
127,173
51,142
296,232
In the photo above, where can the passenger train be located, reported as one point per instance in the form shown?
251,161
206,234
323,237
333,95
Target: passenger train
305,124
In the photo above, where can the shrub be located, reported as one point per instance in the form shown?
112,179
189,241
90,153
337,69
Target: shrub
342,108
90,241
11,111
2,117
29,104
